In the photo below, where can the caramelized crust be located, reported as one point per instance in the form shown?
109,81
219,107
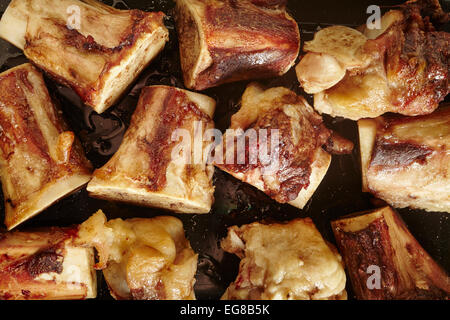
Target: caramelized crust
142,259
405,161
299,164
226,40
144,171
381,239
40,159
402,67
417,59
284,262
99,58
45,265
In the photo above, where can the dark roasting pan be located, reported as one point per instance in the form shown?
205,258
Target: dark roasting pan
236,203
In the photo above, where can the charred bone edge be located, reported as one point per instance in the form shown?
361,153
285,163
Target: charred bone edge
415,273
196,56
134,194
77,278
52,191
13,28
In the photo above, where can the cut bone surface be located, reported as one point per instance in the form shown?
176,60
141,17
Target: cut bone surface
298,163
95,49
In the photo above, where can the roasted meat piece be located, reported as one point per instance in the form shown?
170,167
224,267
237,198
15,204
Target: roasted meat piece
41,161
406,160
402,67
95,49
226,40
284,262
384,261
275,144
142,259
45,265
152,166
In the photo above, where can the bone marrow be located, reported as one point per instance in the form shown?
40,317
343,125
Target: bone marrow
402,67
142,259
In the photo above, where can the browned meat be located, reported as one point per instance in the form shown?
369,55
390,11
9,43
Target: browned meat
41,161
227,40
336,144
384,260
406,161
402,68
298,161
417,61
93,48
45,265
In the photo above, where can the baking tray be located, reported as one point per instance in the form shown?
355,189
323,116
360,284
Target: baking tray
236,203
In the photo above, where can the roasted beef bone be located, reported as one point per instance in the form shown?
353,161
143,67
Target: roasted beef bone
406,160
46,265
41,160
226,40
384,261
145,171
95,49
142,259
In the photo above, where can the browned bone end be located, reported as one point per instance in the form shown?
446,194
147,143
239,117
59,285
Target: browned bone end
301,161
380,239
229,41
